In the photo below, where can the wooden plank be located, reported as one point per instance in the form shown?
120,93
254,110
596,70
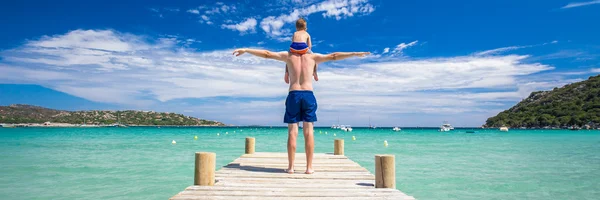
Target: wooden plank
284,155
365,182
287,184
301,161
301,176
279,172
297,188
298,169
296,164
286,193
285,198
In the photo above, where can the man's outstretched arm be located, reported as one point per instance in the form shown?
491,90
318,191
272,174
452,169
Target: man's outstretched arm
260,53
338,56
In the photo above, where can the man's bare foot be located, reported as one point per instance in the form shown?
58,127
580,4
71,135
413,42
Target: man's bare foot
289,171
309,171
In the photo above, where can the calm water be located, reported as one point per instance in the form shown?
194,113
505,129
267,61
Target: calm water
141,163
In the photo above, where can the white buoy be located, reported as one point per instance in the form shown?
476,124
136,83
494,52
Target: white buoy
218,134
226,133
334,134
385,144
195,137
353,138
173,142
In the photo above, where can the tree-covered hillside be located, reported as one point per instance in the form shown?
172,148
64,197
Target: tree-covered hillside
34,114
576,104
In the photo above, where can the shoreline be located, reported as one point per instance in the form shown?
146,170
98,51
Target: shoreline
67,125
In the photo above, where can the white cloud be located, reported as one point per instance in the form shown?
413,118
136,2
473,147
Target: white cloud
207,12
172,9
194,11
500,50
120,68
213,11
511,48
337,9
243,27
400,47
386,50
579,4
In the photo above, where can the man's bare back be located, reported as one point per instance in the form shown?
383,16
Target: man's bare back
301,68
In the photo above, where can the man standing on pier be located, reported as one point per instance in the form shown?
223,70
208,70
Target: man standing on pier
301,104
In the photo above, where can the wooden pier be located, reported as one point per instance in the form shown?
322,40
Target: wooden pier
261,175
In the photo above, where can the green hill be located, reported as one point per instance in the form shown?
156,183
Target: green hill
19,113
576,104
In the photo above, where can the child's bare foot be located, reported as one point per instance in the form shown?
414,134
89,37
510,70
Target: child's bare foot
289,171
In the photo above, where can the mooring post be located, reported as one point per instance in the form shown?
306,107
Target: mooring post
250,145
385,171
338,147
204,172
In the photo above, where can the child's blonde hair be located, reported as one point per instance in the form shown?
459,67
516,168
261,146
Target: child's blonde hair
300,24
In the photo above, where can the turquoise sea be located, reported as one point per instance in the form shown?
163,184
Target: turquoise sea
141,163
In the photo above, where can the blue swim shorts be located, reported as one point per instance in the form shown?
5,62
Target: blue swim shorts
300,106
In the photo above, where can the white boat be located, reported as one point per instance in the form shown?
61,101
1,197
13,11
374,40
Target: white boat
345,128
446,127
396,129
7,125
504,129
338,126
446,124
371,126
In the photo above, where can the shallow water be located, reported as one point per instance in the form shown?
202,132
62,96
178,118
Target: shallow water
141,163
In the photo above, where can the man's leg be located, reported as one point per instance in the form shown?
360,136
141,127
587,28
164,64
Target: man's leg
291,145
309,145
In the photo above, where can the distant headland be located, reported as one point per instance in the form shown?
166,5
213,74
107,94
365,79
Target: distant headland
573,106
20,115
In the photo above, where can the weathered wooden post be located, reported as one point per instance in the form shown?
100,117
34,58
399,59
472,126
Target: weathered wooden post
385,171
204,172
249,145
338,147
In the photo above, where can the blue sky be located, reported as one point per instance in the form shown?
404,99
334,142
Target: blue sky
460,61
